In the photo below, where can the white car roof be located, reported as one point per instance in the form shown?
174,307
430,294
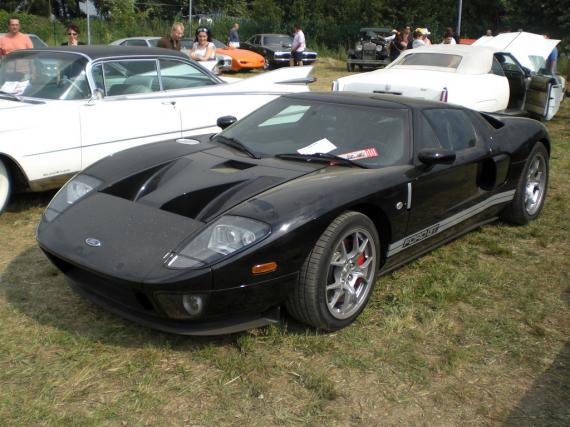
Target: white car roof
475,59
524,46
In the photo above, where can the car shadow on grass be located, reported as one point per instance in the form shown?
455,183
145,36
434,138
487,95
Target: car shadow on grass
548,400
36,289
24,201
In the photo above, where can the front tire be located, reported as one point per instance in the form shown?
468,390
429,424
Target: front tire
5,186
338,275
531,189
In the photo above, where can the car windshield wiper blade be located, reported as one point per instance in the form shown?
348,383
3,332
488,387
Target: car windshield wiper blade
11,96
320,157
235,143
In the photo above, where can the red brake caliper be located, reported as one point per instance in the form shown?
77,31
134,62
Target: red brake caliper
361,259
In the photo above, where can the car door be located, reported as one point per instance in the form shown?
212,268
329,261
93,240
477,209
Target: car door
448,198
201,99
535,93
132,110
544,95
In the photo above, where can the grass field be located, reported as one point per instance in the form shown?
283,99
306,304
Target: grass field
475,333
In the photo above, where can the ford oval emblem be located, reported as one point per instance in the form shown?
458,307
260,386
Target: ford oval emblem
93,242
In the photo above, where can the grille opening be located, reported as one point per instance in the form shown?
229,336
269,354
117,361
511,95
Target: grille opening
232,166
144,301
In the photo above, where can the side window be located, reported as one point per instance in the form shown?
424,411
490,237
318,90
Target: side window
496,67
508,63
129,77
180,75
428,138
453,128
136,42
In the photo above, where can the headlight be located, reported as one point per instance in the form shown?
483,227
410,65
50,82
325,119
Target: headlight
70,193
379,48
221,238
358,47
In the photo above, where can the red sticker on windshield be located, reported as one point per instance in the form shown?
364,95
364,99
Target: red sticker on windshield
360,154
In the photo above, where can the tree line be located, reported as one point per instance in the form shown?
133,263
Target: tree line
330,23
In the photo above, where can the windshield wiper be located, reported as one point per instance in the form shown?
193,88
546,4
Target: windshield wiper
11,96
236,143
320,157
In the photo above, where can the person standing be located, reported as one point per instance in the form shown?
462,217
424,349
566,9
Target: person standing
568,69
14,40
172,41
552,60
298,46
72,32
233,37
418,39
203,48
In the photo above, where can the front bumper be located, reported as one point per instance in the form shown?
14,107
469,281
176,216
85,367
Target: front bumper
225,311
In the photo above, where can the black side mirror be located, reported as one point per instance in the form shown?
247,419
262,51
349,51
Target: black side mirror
225,121
436,156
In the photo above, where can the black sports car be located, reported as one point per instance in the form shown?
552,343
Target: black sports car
276,49
300,204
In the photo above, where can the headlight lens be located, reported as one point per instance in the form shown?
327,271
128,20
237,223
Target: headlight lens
70,193
358,46
221,238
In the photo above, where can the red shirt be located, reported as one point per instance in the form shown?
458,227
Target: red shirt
8,43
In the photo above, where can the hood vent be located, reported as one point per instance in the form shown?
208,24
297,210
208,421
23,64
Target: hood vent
232,166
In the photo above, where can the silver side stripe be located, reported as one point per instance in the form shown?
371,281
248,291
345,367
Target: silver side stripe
439,227
409,201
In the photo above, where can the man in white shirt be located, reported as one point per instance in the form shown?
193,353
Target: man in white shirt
298,46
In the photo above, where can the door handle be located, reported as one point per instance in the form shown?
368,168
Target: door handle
173,103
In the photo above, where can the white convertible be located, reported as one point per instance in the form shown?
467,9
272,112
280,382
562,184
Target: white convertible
62,109
501,74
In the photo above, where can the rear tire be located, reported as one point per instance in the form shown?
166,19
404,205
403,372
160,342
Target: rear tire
5,186
531,189
338,275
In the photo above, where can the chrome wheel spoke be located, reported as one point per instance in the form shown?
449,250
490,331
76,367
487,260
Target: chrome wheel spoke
352,266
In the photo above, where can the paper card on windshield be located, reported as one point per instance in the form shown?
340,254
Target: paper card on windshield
320,146
15,88
360,154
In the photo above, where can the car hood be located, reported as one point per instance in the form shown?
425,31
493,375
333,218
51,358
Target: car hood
246,55
524,46
158,207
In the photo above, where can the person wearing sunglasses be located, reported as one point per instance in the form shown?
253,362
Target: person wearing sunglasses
72,32
203,49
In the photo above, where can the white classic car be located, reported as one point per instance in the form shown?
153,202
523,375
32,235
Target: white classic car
499,75
62,109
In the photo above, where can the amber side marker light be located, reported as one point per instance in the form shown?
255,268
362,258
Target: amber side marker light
264,268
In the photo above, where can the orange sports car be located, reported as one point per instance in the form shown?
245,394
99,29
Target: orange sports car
242,59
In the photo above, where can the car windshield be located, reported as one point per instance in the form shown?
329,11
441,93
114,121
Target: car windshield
431,60
279,40
372,137
44,75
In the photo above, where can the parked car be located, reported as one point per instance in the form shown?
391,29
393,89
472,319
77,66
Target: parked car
63,108
276,49
301,203
370,51
222,63
242,59
483,78
36,41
